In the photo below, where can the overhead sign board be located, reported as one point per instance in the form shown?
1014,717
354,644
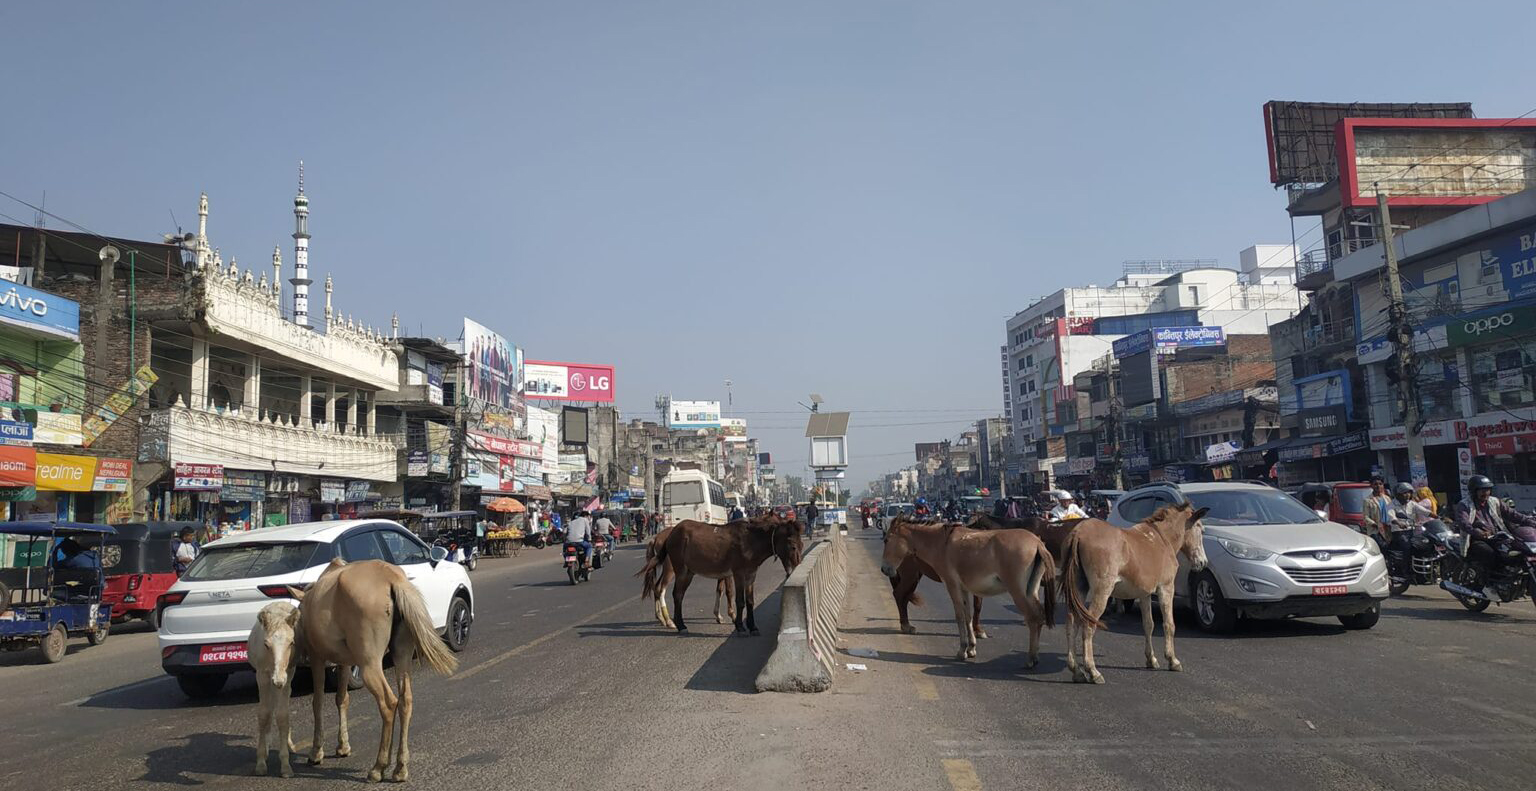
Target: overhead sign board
568,381
1167,339
693,414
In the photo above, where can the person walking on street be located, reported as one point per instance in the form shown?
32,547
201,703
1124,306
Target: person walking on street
811,512
1379,513
184,550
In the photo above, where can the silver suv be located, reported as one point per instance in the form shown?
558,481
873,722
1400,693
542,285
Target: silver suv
1270,557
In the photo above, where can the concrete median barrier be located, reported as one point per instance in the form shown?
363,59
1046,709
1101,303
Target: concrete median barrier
809,604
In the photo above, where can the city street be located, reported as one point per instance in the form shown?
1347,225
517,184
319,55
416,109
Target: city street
577,688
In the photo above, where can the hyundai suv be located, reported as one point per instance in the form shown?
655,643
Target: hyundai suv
206,616
1270,557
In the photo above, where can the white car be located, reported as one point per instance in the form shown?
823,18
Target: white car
1270,557
206,617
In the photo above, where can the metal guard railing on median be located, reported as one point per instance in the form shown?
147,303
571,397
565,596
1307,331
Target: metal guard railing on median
810,601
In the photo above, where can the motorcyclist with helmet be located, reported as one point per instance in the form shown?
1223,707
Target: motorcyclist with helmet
1481,515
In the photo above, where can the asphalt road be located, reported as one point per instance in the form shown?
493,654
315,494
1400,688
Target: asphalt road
568,687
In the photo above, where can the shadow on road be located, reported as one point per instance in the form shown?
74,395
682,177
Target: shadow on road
199,753
144,696
734,666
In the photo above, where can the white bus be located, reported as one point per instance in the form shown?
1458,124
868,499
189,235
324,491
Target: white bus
690,494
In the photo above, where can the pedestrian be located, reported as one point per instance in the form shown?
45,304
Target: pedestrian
184,550
480,531
811,512
1378,512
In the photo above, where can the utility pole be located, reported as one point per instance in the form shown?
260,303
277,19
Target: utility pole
1402,341
459,430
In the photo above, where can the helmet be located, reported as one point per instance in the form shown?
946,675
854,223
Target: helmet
1477,482
1403,487
1062,494
922,501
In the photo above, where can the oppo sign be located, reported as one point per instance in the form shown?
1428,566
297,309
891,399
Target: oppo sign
1487,328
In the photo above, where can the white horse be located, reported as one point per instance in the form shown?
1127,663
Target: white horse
274,653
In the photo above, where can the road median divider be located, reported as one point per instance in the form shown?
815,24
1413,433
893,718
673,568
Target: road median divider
810,601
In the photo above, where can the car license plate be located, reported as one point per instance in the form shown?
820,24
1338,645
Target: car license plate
1329,590
220,654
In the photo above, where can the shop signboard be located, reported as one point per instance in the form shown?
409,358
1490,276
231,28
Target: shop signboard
61,473
243,487
1515,256
57,428
38,311
1464,468
1167,339
1080,465
1497,325
568,381
435,382
1136,462
1489,425
1346,444
298,510
198,477
416,463
734,429
693,414
1310,450
118,404
1222,451
18,494
112,475
15,433
1323,421
544,428
18,466
333,491
493,368
357,491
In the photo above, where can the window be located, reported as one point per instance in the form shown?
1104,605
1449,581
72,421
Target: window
1138,508
716,494
404,549
242,561
362,546
683,493
1502,375
1029,360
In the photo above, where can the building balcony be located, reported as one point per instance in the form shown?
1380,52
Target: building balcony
186,435
237,307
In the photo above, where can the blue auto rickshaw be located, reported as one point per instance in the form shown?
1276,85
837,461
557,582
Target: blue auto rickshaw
57,593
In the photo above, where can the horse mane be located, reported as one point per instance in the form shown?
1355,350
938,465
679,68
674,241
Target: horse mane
1164,512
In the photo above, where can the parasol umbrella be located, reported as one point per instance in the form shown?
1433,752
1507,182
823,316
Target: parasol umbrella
506,505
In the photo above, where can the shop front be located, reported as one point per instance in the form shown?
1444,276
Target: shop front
68,487
1500,444
241,500
1346,457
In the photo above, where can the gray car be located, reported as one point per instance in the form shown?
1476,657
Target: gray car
1270,557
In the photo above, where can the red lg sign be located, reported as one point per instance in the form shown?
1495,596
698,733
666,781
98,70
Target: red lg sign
591,383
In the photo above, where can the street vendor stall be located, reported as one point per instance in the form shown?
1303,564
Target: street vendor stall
509,538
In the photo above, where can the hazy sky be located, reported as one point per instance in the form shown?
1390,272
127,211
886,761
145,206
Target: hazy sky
842,197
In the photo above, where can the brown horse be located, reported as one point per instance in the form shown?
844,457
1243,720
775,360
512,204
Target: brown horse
981,563
1135,562
353,615
904,586
724,589
716,551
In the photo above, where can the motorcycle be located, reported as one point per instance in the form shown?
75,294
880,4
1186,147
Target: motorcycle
1421,565
535,540
1512,578
576,569
602,552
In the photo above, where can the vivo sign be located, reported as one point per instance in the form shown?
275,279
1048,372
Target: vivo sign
23,306
568,381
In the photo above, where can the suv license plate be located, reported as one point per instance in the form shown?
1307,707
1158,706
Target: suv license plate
1329,590
220,654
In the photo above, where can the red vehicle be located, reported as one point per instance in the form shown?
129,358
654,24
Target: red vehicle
1346,504
137,565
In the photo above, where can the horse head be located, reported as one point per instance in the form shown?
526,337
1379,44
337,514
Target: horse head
788,546
898,546
1193,542
279,624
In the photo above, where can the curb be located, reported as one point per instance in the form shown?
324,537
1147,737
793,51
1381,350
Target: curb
810,601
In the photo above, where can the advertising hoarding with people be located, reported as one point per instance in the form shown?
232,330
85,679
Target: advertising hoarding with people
693,414
493,368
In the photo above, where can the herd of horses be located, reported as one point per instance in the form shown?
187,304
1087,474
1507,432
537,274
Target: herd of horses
1088,561
360,614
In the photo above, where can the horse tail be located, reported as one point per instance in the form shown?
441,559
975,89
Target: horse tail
655,558
1042,573
1073,576
411,612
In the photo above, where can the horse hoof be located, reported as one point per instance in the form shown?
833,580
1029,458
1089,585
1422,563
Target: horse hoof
400,776
718,619
960,655
1176,666
980,635
970,653
375,775
259,769
755,633
1030,663
286,771
317,760
1152,664
681,629
907,628
1098,678
343,751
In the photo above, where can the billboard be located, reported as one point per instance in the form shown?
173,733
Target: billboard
1301,135
1476,160
693,414
544,428
1166,339
493,368
734,428
568,381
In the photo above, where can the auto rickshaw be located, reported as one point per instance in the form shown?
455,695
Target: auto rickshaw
58,594
139,567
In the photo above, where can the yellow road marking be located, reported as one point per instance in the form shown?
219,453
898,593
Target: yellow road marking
511,652
962,776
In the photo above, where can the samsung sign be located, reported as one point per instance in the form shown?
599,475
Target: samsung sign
1168,339
46,314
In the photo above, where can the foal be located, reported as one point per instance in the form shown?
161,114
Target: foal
274,653
1131,563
